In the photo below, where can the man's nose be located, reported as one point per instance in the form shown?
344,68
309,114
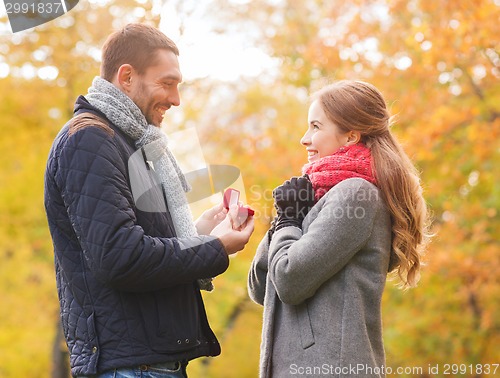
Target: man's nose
174,97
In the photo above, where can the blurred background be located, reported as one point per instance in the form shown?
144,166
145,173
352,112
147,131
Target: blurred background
249,67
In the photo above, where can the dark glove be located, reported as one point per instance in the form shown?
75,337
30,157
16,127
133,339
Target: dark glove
293,200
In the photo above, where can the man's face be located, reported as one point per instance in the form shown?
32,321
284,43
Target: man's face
156,90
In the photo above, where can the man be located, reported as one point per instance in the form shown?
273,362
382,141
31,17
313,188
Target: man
129,260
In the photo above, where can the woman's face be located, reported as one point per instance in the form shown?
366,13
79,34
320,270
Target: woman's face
322,137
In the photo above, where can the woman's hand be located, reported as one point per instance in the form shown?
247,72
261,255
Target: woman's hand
210,219
293,200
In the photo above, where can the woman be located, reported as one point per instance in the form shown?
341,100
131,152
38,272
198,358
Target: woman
357,214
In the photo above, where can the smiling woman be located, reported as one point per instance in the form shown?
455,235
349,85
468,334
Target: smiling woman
356,214
323,137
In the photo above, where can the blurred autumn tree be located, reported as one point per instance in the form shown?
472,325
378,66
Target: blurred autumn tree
437,64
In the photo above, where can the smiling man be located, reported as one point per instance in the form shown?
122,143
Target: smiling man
129,272
155,90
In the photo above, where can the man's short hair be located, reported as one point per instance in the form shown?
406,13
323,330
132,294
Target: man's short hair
135,44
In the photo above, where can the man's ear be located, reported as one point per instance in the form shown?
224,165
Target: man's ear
124,77
353,137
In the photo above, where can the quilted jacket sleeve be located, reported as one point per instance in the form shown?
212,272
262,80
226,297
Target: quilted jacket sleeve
91,174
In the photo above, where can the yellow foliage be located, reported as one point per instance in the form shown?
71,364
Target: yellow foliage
448,120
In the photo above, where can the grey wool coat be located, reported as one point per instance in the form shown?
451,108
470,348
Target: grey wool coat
321,288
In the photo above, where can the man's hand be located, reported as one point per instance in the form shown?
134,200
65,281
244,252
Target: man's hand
233,234
210,219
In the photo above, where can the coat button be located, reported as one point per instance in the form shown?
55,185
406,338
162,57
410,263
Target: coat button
94,349
187,341
179,342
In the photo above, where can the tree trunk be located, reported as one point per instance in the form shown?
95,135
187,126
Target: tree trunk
60,355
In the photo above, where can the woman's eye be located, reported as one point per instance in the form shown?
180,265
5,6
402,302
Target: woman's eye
315,127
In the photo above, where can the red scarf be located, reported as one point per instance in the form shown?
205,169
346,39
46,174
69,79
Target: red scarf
346,162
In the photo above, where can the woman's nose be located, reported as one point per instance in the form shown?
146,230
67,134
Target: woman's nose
305,140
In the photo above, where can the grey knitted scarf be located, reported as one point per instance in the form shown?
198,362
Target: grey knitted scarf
127,116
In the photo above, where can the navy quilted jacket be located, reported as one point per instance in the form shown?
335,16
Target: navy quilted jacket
127,286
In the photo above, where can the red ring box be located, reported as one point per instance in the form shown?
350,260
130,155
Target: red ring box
232,197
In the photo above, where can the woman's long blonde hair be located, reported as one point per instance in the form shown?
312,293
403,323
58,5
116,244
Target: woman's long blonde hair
359,106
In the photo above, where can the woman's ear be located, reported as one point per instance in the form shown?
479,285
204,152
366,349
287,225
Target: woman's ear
124,77
353,137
